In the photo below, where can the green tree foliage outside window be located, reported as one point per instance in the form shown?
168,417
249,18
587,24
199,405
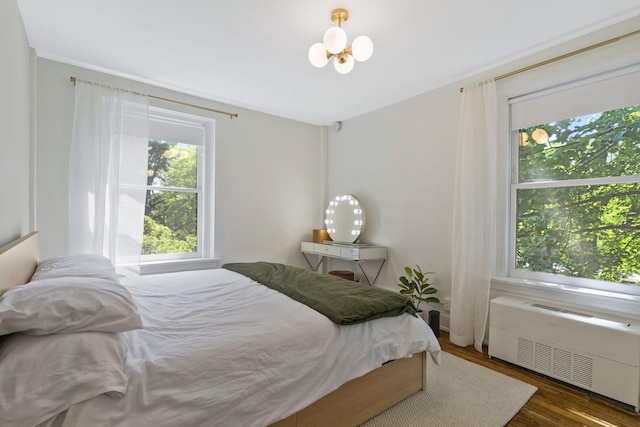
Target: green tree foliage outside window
585,229
171,209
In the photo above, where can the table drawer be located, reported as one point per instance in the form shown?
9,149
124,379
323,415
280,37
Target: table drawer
326,249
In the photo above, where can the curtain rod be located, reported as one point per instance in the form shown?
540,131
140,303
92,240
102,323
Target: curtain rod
566,55
231,115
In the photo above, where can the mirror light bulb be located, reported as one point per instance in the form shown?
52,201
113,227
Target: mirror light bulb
362,48
335,40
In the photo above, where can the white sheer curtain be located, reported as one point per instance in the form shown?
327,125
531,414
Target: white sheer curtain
107,173
474,215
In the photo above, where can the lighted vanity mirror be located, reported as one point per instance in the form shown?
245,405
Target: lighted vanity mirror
344,219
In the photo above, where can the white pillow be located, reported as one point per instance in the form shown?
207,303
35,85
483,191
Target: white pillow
80,265
43,376
68,304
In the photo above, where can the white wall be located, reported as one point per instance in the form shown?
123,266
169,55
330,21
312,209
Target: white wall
14,124
400,161
268,171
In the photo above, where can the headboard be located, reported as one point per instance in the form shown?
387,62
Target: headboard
18,261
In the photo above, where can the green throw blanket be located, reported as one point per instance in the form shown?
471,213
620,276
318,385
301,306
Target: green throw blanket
344,302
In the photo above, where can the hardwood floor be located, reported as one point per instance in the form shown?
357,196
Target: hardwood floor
554,404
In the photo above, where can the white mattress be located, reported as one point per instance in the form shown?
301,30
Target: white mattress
219,349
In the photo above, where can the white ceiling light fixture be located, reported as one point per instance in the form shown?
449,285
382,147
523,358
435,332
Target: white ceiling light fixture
334,44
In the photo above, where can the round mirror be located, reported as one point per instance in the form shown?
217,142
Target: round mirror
344,219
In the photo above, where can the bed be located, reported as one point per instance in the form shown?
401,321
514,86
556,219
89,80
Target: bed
199,348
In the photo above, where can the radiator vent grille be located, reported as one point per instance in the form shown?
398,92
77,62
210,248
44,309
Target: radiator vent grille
525,352
559,363
576,313
561,310
542,358
582,370
562,364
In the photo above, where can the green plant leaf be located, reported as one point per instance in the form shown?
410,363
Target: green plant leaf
416,285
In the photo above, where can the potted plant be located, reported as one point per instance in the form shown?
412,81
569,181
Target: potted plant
416,285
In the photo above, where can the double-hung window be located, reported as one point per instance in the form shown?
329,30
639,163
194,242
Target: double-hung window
575,184
178,220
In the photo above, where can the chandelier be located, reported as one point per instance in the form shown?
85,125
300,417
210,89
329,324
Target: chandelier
334,44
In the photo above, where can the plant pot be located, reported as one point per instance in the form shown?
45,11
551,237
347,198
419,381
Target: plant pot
434,322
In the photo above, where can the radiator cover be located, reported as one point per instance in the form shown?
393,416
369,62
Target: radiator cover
592,351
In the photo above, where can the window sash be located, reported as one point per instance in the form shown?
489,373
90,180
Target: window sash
628,179
171,126
543,277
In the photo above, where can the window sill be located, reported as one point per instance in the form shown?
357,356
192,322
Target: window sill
593,299
171,266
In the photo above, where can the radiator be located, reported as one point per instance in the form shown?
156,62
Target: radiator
595,352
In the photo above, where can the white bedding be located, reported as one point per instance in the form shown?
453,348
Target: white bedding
219,349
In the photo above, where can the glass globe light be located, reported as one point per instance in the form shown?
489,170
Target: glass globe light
362,48
335,39
318,55
346,66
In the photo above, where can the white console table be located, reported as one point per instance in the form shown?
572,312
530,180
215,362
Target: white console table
356,253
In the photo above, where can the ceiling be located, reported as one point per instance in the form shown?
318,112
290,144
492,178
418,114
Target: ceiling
253,53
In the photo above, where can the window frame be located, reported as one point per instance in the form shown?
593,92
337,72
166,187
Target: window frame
179,122
505,267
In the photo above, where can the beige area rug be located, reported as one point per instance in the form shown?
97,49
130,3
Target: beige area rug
459,393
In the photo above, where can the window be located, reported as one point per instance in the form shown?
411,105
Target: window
575,184
178,220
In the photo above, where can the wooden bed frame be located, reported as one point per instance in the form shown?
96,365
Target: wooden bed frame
365,397
351,404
